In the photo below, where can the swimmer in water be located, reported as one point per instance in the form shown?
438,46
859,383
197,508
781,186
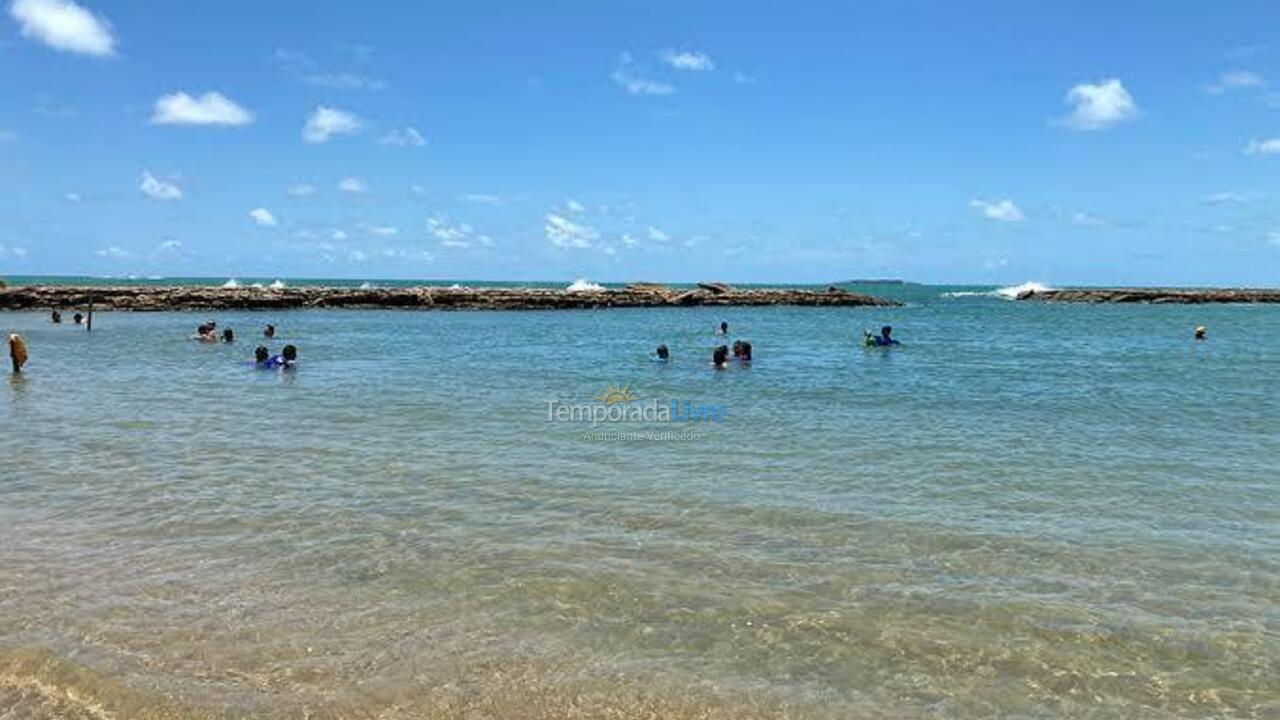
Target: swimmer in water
737,349
55,317
269,331
205,333
288,357
77,319
884,339
1201,333
720,358
724,328
745,354
261,357
662,354
228,336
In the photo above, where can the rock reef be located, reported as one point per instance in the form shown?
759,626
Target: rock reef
1157,296
151,298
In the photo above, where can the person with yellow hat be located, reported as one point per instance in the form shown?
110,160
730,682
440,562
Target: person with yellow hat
17,351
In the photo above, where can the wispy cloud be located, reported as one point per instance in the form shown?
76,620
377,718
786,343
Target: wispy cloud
113,252
157,189
574,206
658,234
209,109
1224,198
73,197
482,199
1001,210
64,25
1084,219
1236,80
301,190
564,233
454,235
263,217
325,122
407,137
346,81
353,185
627,77
1100,106
1268,146
687,60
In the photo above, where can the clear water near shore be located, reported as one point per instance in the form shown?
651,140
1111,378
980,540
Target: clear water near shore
1026,511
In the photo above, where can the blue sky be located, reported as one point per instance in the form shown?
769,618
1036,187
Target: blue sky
983,142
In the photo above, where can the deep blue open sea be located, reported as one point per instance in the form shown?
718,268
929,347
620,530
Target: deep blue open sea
1024,511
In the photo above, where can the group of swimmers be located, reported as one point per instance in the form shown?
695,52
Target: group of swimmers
262,357
720,356
56,318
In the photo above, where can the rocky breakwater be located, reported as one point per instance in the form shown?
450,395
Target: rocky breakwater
1188,296
35,297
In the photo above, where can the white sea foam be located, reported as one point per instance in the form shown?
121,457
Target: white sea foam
366,286
1007,293
232,283
276,285
581,285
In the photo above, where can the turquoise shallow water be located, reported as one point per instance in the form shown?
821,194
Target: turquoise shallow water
1025,511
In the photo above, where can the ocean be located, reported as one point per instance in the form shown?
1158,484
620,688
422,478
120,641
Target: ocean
1026,510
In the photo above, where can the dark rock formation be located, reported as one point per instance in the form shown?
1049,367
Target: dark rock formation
426,298
1187,296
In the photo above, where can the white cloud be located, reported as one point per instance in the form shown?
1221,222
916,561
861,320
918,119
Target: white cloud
263,217
1084,219
634,84
326,122
1273,238
301,190
1002,210
382,230
658,235
209,109
338,235
1269,146
454,235
1236,80
574,206
629,241
64,25
159,189
73,197
356,256
113,252
169,245
688,60
1096,107
482,199
408,137
417,189
1224,198
353,185
566,234
345,81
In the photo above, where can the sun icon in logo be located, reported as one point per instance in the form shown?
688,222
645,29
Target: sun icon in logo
619,394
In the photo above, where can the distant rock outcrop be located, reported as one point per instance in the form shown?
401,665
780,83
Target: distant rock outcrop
1183,296
426,298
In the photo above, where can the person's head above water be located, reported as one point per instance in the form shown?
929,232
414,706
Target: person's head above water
662,352
269,331
721,356
56,316
77,318
745,355
1201,332
737,348
886,331
261,354
724,327
228,336
289,353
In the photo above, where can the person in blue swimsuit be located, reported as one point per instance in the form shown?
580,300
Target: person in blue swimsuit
884,339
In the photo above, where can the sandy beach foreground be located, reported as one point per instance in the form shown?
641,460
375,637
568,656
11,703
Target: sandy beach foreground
423,298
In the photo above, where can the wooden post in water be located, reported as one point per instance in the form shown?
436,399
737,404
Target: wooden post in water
88,327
